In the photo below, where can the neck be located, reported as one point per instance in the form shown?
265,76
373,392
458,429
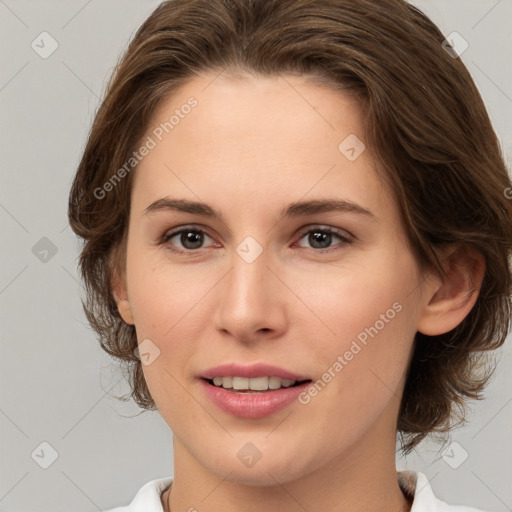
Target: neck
360,481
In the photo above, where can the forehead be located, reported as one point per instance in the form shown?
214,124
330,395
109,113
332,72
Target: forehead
285,109
253,139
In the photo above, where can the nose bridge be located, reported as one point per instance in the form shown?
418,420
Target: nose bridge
249,300
249,278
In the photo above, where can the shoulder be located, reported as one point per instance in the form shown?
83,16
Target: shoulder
147,498
417,487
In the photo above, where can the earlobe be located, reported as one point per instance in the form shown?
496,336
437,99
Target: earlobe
450,298
121,298
123,305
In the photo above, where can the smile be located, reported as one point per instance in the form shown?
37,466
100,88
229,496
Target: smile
245,384
249,403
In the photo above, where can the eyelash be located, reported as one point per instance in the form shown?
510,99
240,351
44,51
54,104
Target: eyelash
345,240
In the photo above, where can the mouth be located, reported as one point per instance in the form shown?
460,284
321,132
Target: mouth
252,391
254,385
252,397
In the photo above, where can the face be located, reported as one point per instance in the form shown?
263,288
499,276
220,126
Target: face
327,296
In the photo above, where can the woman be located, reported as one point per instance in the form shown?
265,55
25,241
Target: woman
297,237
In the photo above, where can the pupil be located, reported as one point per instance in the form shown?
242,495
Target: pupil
191,237
319,237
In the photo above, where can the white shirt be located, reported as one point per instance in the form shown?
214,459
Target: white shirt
413,483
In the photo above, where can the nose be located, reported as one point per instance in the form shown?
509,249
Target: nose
251,300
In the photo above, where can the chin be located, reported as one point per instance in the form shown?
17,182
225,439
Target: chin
252,467
261,476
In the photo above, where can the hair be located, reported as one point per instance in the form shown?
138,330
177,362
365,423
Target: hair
425,123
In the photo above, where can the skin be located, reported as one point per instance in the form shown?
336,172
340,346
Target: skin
249,148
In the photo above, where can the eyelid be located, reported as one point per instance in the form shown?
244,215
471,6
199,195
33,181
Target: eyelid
171,233
345,236
342,233
306,229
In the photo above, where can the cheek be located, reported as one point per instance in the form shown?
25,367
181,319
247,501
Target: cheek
355,295
163,294
369,313
169,310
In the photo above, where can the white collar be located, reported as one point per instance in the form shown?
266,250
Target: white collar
413,483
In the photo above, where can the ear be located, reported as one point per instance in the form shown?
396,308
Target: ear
118,285
451,297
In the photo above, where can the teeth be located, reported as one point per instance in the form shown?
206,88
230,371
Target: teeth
240,383
258,383
274,383
254,384
217,381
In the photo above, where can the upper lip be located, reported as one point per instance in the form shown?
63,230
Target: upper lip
251,371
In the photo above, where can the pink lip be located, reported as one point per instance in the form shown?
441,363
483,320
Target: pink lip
250,371
252,405
256,404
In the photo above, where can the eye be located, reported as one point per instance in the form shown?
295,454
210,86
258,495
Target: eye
191,239
321,238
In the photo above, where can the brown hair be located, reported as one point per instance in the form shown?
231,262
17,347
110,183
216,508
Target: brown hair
425,123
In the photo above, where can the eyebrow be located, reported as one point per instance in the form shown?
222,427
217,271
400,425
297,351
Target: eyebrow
296,209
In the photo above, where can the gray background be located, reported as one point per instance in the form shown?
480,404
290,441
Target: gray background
55,380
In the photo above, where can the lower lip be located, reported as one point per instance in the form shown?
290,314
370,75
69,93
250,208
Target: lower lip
252,405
